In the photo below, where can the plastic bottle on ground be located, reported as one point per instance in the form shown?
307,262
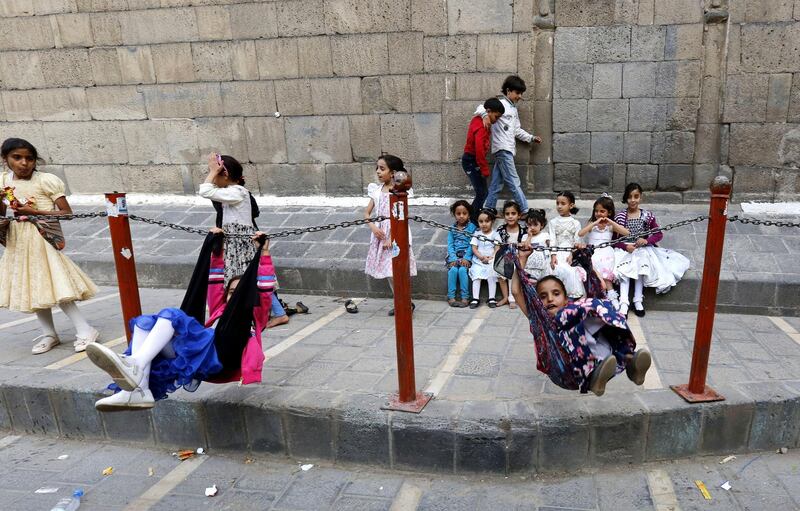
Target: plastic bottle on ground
69,503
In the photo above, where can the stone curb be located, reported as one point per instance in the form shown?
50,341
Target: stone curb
760,294
448,437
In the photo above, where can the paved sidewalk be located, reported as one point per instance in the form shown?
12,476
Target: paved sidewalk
328,372
154,477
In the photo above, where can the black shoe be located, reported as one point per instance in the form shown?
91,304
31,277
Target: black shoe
492,303
637,368
639,312
473,304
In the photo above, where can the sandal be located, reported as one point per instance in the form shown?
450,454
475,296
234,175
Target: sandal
81,342
350,306
301,308
492,303
44,343
452,302
473,304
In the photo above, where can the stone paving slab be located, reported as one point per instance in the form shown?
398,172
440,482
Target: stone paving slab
760,272
321,397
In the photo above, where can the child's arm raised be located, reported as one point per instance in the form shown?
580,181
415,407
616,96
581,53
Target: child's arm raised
588,228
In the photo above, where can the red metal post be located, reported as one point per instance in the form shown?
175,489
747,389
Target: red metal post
119,225
697,391
408,399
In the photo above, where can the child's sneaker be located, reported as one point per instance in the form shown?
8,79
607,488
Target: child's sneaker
122,370
601,374
637,368
138,399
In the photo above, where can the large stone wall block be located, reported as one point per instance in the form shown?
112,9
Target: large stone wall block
543,63
417,137
497,52
675,178
572,81
526,60
66,68
67,142
770,48
360,55
540,179
294,97
67,104
751,180
567,176
757,145
648,114
789,149
456,116
607,81
571,148
787,185
684,42
26,33
358,16
244,60
608,115
266,140
343,179
173,62
478,86
704,174
17,105
435,178
596,178
136,65
33,132
212,61
680,78
429,17
386,94
248,99
154,26
187,100
106,30
365,137
337,96
524,11
257,20
28,70
648,43
637,147
146,178
673,147
639,79
405,52
469,17
769,10
277,58
571,44
580,13
429,90
543,127
645,175
322,139
301,17
672,12
707,144
778,99
456,54
213,22
315,58
682,113
746,98
12,8
223,134
609,44
72,30
607,148
94,178
304,179
569,115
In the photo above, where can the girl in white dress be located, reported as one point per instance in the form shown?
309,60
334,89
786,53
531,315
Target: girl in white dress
511,233
482,257
643,261
535,262
601,229
563,232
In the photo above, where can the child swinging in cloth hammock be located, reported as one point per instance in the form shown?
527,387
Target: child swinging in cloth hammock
579,345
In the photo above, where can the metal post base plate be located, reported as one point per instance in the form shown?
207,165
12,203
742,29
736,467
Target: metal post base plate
706,396
414,406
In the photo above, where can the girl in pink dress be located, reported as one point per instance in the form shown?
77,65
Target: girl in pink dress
600,229
379,254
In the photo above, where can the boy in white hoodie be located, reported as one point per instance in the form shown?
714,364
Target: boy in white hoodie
504,146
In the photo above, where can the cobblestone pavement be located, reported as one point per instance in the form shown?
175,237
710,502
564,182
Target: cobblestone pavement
154,479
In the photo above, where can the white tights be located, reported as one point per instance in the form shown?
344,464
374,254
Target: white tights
624,290
45,317
491,283
146,345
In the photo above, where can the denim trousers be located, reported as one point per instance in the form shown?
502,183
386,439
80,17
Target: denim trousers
458,276
505,172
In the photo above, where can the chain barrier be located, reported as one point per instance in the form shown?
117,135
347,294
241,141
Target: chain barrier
755,221
626,239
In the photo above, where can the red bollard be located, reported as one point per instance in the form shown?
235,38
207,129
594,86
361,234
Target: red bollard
119,225
408,399
697,391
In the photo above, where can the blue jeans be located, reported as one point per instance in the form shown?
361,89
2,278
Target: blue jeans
458,276
473,172
276,310
505,171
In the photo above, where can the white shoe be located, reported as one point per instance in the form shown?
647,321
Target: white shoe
139,399
122,370
81,342
44,343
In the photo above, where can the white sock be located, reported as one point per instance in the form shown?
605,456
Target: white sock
137,341
157,340
624,290
476,289
491,283
638,293
82,327
612,295
45,317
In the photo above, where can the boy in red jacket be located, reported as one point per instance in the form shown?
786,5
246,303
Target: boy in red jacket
479,140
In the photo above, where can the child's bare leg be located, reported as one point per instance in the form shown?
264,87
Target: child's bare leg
504,291
516,292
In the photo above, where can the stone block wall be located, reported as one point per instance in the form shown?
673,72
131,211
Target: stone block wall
131,94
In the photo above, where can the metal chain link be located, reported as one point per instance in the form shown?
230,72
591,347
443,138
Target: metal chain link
626,239
754,221
73,216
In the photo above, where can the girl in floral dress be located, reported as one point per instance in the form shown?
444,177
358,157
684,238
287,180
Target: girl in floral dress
379,253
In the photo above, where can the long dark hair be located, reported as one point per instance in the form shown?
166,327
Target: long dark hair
630,189
607,203
11,144
236,174
394,163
